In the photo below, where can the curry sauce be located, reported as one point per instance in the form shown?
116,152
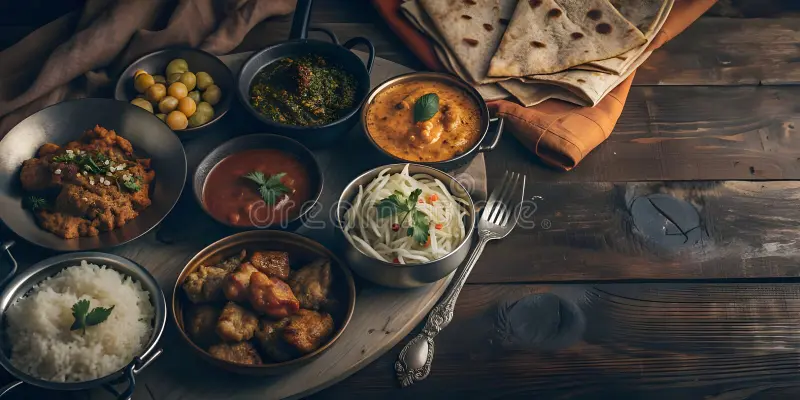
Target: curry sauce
454,129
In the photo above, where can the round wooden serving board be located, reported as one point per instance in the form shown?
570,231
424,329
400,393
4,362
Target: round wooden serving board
382,316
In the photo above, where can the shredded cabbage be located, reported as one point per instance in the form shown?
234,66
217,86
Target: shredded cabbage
374,235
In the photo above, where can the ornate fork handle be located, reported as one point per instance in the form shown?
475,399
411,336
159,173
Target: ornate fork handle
414,362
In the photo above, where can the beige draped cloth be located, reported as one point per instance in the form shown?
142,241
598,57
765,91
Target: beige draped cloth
80,54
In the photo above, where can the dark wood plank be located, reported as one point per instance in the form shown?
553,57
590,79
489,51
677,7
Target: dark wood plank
615,231
623,341
686,133
724,51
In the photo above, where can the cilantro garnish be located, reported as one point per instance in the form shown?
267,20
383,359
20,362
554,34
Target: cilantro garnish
133,184
270,188
93,164
85,318
396,203
34,203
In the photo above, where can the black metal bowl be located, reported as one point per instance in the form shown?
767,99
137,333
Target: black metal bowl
298,45
155,63
262,141
64,122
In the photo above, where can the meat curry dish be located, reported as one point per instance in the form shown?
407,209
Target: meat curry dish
88,186
432,131
254,309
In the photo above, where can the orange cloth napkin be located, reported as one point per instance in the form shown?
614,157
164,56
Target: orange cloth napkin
560,133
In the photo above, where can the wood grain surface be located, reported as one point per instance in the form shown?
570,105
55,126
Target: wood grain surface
641,230
611,341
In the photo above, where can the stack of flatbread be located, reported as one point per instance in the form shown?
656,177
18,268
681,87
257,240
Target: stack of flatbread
534,50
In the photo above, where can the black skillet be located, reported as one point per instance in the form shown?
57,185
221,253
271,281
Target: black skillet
299,44
65,122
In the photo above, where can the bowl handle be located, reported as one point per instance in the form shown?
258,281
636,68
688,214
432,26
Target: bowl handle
302,16
327,32
497,132
6,247
130,372
362,40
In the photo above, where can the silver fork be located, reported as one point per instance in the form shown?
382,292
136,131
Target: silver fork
414,362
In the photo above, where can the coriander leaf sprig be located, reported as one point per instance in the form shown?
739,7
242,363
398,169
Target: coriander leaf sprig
85,318
269,188
395,204
34,203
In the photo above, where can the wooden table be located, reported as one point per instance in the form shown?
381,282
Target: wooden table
665,266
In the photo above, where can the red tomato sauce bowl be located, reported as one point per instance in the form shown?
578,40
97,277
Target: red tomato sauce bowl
258,181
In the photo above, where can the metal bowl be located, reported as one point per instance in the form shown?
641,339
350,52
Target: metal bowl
156,63
301,250
26,280
491,128
67,121
261,141
299,44
404,276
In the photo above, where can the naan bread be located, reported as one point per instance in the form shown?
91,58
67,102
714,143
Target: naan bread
531,94
471,30
547,36
412,10
642,13
593,86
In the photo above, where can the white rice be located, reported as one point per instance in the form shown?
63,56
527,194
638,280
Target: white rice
39,323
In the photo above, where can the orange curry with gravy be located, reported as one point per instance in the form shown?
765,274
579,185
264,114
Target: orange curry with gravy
454,129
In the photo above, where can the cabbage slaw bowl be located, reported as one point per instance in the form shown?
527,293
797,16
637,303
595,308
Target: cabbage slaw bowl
404,275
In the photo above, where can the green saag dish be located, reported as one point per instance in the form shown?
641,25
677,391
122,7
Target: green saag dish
304,91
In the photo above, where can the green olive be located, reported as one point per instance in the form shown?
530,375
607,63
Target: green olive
142,103
198,119
167,104
177,66
188,79
202,115
155,93
195,95
160,79
204,80
212,95
142,82
173,78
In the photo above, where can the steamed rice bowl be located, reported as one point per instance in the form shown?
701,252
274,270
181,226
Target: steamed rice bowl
38,325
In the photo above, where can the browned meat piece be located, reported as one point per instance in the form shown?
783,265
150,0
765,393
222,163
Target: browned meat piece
92,198
272,296
236,323
47,149
312,283
237,284
307,330
231,263
242,353
104,138
205,284
270,338
66,226
273,263
36,175
201,324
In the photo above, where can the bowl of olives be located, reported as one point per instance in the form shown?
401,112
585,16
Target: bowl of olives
188,89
